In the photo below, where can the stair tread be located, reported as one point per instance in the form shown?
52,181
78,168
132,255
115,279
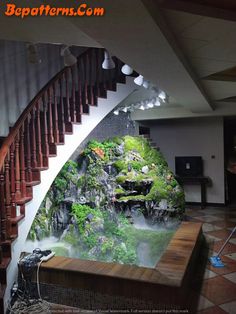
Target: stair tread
33,183
41,168
24,200
5,262
15,220
2,290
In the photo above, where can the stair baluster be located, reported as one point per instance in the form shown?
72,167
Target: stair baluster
3,234
7,196
22,166
12,180
17,168
28,149
52,146
39,154
32,133
55,115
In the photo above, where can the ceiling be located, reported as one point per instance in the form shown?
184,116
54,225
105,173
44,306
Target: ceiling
176,44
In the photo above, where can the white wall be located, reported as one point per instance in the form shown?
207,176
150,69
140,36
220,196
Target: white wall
20,81
194,137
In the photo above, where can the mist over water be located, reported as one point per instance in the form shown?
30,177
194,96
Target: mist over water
148,252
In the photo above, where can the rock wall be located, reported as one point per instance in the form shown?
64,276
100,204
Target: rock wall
95,202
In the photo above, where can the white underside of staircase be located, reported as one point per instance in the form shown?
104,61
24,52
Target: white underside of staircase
64,152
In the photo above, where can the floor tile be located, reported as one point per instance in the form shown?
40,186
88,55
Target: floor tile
204,303
208,218
213,310
231,277
229,307
219,290
210,238
206,227
194,213
213,211
222,234
233,240
232,256
209,274
229,248
224,223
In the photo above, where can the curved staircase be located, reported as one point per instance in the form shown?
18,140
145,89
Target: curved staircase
56,121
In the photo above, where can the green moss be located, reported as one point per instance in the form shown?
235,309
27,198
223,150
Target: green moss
40,227
133,198
142,146
120,165
81,212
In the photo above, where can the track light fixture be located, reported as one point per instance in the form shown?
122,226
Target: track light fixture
108,63
33,54
69,58
162,96
139,80
146,84
127,70
157,102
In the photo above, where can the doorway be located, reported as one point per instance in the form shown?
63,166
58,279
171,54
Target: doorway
230,159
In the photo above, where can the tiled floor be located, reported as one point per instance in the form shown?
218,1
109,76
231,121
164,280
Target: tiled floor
218,289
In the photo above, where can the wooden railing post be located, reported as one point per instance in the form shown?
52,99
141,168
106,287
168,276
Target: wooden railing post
33,124
22,163
7,197
39,154
17,168
73,113
67,101
2,206
61,113
13,183
28,149
44,132
55,116
92,73
49,120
